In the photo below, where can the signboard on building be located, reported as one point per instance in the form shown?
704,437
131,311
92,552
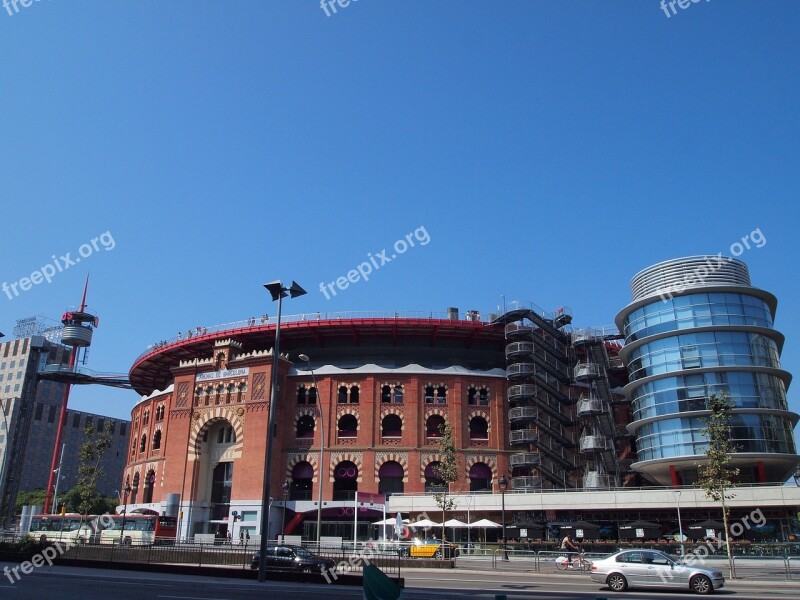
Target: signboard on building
222,374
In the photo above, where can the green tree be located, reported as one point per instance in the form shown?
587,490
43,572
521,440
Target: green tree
31,498
71,499
716,476
446,471
90,471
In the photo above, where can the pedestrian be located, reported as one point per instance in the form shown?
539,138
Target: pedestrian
241,537
229,539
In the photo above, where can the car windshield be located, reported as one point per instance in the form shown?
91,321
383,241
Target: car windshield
303,553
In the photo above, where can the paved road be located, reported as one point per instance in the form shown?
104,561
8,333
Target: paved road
76,583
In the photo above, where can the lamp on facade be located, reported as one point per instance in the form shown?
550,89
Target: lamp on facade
278,292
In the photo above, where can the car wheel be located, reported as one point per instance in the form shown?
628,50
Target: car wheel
42,539
81,541
438,554
617,582
700,584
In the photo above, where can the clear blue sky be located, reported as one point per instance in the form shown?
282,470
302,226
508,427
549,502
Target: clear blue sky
550,150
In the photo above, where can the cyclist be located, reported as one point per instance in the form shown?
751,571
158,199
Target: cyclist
567,544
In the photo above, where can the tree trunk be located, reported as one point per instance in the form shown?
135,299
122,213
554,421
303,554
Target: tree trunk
727,533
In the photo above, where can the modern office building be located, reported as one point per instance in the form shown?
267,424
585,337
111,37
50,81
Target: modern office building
697,327
30,406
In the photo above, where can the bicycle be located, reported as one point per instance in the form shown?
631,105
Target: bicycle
565,564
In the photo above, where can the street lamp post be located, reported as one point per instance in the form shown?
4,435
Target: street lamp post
278,292
285,488
503,483
680,525
127,490
321,468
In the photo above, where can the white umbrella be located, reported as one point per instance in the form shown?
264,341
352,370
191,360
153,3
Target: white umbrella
424,523
389,521
455,523
485,523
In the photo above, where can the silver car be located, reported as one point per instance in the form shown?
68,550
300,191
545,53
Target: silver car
650,568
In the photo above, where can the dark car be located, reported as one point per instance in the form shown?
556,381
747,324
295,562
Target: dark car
294,558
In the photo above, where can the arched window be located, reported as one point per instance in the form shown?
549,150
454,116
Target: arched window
434,426
390,478
348,426
343,395
354,394
434,483
301,487
429,394
472,396
301,394
386,394
157,439
441,395
345,481
146,417
224,433
312,395
398,394
149,482
143,443
480,477
305,427
392,426
478,429
135,487
484,397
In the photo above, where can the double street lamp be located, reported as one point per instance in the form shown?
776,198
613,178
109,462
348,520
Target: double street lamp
285,488
278,292
127,490
680,525
321,468
503,483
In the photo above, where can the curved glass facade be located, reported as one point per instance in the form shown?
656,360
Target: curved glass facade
685,393
682,436
681,349
697,350
696,310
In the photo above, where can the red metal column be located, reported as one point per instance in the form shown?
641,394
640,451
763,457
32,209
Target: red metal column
62,419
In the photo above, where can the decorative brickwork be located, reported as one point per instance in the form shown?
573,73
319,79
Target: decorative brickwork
182,395
204,419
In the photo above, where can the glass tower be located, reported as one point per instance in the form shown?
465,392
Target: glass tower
697,327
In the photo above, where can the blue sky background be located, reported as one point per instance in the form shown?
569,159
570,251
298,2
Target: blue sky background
550,149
